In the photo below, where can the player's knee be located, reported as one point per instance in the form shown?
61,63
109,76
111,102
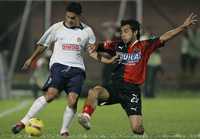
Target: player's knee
72,102
97,90
92,93
50,98
138,129
51,95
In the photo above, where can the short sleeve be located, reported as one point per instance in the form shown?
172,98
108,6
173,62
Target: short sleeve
152,44
48,37
92,38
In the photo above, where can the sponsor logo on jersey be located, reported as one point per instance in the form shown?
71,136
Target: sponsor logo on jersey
130,58
78,39
71,47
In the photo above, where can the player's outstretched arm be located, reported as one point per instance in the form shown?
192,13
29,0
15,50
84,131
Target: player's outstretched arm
39,50
95,55
190,20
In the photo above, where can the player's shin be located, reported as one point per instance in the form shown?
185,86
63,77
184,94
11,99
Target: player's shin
90,103
68,116
38,104
88,109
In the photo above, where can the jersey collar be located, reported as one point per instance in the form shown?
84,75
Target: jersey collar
131,44
75,27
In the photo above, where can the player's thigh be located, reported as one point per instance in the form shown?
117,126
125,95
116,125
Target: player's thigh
108,96
75,82
74,85
51,94
101,92
55,79
130,99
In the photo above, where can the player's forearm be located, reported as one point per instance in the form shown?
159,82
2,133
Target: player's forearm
172,33
106,60
100,58
39,50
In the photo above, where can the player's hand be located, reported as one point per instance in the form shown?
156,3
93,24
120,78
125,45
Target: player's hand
190,20
92,48
27,64
115,59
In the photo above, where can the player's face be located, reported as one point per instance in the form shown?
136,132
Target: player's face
72,19
127,34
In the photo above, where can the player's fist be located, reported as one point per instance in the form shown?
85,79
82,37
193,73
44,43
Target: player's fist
27,64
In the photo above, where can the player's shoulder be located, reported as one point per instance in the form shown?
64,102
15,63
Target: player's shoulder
57,25
149,38
150,41
144,38
86,27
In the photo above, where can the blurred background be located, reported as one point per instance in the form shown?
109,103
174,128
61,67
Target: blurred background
174,67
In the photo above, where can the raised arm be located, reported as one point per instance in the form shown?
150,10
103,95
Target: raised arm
190,20
97,56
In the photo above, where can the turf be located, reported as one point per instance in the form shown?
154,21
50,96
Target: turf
164,117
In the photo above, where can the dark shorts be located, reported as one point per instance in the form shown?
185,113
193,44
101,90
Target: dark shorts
62,77
128,95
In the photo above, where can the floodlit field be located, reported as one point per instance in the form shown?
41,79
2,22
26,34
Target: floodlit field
164,117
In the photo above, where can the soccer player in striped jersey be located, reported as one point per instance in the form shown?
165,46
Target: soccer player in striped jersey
129,73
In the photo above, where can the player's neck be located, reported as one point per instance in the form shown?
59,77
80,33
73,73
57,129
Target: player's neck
78,25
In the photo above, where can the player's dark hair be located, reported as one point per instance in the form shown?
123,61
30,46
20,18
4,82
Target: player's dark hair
74,7
135,26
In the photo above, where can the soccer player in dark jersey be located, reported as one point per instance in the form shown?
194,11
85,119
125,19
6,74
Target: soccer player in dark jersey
129,73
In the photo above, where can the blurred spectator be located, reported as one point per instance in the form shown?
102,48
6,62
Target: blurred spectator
154,66
111,35
190,51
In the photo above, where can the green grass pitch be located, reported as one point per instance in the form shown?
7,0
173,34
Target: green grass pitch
164,117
